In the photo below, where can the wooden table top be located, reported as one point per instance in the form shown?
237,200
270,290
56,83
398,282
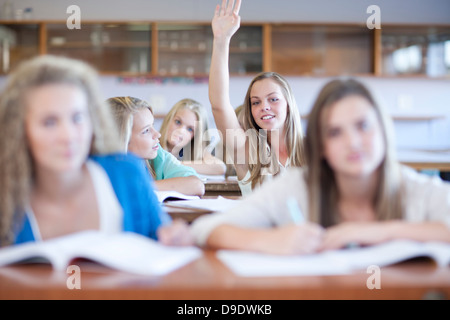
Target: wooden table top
208,279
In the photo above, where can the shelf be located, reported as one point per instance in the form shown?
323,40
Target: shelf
184,49
89,45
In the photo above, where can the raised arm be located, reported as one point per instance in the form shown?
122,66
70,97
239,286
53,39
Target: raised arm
225,23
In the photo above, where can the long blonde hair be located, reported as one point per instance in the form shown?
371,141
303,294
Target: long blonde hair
195,148
124,109
258,144
16,163
323,193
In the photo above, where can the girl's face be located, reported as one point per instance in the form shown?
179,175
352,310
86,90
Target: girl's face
353,143
144,138
182,128
268,104
58,127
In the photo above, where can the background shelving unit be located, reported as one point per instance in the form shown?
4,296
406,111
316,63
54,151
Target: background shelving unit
184,49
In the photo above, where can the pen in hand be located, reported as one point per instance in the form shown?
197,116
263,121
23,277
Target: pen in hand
294,211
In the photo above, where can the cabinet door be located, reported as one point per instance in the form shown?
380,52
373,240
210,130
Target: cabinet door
18,42
419,50
111,48
246,54
322,50
186,50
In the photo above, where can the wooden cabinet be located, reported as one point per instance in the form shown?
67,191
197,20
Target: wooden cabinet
17,42
322,50
110,47
416,50
184,49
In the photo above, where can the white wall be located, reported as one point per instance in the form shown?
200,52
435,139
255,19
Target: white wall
398,11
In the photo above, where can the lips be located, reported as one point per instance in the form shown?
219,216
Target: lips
267,117
355,156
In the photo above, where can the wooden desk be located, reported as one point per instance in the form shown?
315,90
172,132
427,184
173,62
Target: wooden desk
190,215
208,279
226,187
421,159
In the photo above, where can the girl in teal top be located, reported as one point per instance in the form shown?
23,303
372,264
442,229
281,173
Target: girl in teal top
135,120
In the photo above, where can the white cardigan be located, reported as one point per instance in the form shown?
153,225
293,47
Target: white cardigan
426,199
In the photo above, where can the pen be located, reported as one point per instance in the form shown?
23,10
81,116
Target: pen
295,211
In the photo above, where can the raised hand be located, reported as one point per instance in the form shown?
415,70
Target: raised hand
226,19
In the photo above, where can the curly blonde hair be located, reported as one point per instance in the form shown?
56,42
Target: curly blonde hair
16,163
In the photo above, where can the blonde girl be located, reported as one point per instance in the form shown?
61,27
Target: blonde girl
270,137
137,134
185,134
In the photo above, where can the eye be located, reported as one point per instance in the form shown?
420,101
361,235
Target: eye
190,130
362,125
333,132
177,122
49,121
78,117
274,99
254,103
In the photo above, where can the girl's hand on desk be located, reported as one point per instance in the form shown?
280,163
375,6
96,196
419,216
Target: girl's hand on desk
176,234
296,239
354,233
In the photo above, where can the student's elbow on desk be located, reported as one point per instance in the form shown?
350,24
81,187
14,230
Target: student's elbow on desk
198,186
190,185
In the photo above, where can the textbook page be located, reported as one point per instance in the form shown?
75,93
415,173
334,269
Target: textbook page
211,177
126,251
207,205
250,264
57,251
138,254
173,196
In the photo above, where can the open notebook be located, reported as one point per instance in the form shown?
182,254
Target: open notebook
250,264
164,196
127,251
205,205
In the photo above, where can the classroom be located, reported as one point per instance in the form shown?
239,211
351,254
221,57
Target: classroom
225,218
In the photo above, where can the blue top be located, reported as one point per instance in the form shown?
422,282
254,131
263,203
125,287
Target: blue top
133,187
166,166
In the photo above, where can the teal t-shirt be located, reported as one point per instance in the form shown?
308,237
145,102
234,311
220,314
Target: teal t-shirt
167,166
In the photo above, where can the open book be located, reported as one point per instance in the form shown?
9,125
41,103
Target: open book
205,205
344,261
164,196
127,251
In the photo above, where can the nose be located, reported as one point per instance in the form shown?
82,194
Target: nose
67,131
156,134
353,139
266,106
